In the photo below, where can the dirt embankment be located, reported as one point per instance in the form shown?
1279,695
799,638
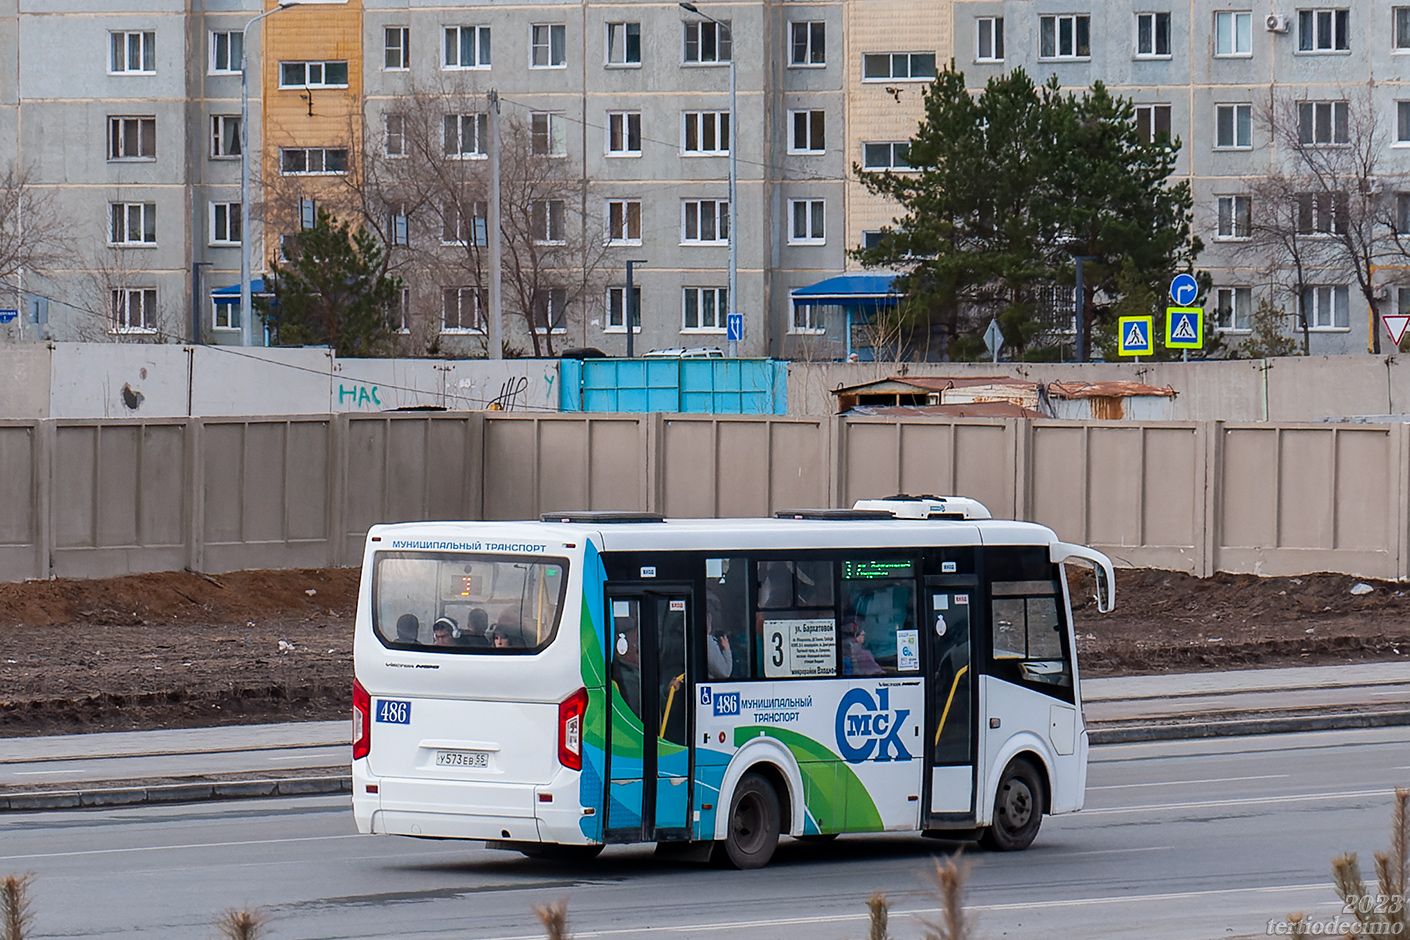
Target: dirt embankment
183,650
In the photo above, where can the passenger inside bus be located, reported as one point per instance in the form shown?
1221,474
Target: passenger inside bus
408,629
719,657
857,660
444,632
476,624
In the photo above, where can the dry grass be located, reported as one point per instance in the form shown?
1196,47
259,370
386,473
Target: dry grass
15,913
949,878
235,924
879,914
554,918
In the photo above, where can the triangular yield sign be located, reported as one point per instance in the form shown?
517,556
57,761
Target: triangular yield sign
1396,326
1137,336
1184,328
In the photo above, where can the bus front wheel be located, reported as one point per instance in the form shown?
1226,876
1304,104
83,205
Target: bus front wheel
753,823
1018,809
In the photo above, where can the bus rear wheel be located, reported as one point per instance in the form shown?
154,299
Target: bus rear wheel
753,823
1018,809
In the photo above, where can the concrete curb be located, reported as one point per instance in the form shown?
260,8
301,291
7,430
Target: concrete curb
177,793
1239,727
342,783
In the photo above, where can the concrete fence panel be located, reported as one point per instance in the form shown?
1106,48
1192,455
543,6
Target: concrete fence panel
977,459
267,495
22,554
120,498
742,466
535,464
1310,498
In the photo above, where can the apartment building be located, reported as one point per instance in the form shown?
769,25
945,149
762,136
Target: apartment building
1205,72
129,119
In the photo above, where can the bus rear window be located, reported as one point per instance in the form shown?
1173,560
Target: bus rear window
458,603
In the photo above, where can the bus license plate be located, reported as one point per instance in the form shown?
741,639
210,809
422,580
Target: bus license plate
463,759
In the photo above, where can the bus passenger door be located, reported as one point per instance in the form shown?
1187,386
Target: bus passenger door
950,740
648,768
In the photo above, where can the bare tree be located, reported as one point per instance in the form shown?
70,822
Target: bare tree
1328,155
1287,254
424,182
31,228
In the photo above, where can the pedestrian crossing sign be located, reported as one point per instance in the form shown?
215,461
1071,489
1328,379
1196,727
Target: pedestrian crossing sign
1184,328
1135,336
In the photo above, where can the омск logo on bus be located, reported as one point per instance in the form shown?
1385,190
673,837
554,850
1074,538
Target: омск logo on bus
867,725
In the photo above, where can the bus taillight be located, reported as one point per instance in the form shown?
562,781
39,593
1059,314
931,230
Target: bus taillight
362,721
570,729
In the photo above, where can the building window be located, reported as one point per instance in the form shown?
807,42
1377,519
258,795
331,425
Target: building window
1400,29
1326,307
399,227
1152,35
806,217
871,237
132,138
467,135
226,51
225,223
704,309
705,133
467,47
1235,217
624,222
617,309
547,221
1402,213
462,310
294,161
808,132
807,45
134,310
133,53
548,133
550,310
989,40
898,67
1233,308
808,318
133,223
225,136
1323,122
1065,37
394,140
1402,300
1233,126
547,46
1402,122
396,48
1323,30
225,315
624,133
1321,213
705,221
886,155
1233,33
1153,122
313,74
453,228
623,45
707,43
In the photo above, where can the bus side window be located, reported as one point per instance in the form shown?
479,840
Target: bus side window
726,618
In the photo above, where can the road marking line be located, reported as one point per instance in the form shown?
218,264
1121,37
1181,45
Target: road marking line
929,911
1172,783
40,773
190,845
1251,801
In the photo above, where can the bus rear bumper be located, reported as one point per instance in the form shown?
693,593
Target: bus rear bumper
460,809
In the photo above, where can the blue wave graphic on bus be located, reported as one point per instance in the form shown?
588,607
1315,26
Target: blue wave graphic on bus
867,726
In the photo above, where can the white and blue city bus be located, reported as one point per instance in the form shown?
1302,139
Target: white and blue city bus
712,684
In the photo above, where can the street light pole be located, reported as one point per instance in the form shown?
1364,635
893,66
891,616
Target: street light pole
733,174
246,313
1081,307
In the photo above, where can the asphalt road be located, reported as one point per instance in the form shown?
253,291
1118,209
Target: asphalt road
1194,839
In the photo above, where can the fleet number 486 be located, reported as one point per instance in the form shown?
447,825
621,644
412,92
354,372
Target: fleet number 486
393,712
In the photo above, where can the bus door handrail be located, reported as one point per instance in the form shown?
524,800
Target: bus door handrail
949,700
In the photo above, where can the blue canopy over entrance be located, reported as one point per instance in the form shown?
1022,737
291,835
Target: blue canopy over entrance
859,295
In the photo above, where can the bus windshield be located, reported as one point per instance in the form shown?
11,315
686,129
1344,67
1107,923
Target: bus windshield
460,603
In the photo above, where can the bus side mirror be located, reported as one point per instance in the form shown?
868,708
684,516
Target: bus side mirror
1060,552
